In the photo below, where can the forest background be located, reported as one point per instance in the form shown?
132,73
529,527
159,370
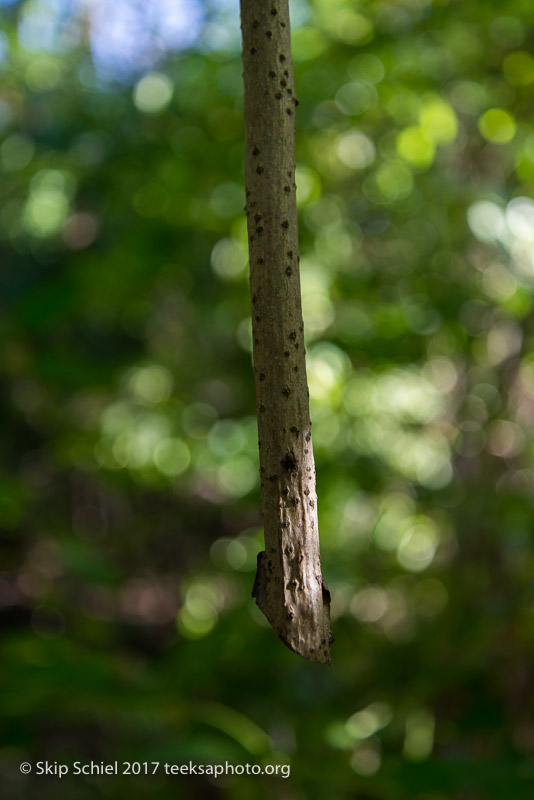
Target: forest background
129,492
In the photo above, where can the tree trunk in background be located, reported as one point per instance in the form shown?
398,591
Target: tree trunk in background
289,588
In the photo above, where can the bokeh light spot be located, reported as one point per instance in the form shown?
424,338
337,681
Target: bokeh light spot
415,145
419,737
151,384
153,93
497,126
229,259
438,120
172,456
355,150
418,545
16,152
518,68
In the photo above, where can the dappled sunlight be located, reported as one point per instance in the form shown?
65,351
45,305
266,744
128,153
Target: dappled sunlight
153,93
130,507
47,206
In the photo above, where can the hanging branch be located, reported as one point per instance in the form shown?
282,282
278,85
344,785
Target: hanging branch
289,588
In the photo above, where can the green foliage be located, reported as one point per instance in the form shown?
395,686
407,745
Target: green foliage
129,495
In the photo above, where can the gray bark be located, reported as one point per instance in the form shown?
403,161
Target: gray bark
289,587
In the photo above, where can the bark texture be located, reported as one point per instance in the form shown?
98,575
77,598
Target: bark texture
289,587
